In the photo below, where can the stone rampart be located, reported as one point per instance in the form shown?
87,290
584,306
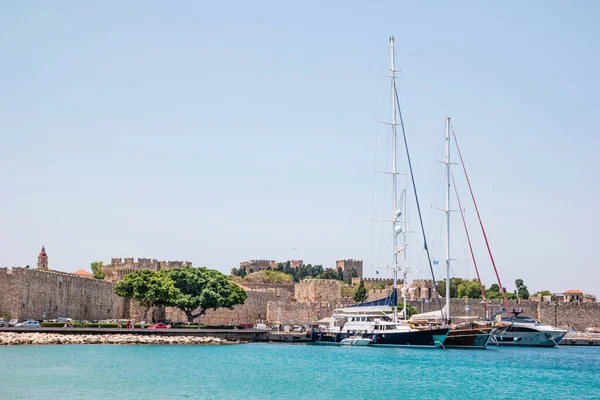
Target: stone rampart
319,290
254,308
578,316
301,313
285,289
28,293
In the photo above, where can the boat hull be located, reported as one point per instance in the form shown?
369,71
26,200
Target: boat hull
527,339
424,338
351,342
467,338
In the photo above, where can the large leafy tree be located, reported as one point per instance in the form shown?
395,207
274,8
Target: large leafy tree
97,269
148,288
361,293
469,289
454,282
201,289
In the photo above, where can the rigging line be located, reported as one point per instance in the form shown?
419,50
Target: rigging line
412,177
462,214
480,222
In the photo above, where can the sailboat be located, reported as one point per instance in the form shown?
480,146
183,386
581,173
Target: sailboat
467,338
378,321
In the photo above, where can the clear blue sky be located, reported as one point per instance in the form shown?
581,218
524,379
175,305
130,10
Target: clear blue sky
217,132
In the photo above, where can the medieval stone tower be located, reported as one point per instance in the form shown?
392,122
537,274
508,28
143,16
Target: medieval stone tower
43,260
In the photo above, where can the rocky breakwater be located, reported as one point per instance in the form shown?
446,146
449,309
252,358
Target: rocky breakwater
11,338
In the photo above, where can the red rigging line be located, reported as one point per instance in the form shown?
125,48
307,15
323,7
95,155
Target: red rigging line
480,223
462,214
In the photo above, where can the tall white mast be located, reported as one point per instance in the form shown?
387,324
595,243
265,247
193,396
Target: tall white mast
394,177
404,246
447,218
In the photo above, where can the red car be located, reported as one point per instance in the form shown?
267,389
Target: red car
159,326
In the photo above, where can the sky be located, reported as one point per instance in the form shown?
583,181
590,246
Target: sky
217,132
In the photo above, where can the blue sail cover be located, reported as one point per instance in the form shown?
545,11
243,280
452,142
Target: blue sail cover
391,300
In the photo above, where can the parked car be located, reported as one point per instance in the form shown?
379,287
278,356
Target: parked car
158,326
3,322
13,322
28,324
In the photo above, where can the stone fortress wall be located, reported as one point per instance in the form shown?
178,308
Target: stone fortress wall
28,293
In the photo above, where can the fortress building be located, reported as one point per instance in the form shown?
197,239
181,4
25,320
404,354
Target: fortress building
348,265
117,269
42,260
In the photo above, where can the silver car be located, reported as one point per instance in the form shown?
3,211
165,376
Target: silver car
3,322
28,324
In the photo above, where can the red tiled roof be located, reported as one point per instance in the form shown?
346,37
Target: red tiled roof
82,272
574,291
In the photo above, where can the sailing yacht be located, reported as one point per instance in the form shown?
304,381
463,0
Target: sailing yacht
378,321
470,337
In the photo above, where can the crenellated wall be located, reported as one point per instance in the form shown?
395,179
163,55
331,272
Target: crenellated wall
117,269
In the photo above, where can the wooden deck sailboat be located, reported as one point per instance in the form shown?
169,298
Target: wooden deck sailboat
470,337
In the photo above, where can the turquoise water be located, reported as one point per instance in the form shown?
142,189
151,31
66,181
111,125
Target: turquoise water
284,371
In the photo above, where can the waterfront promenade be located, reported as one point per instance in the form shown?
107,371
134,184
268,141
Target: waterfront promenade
223,335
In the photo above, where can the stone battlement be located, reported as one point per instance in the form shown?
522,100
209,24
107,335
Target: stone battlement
27,271
387,281
117,269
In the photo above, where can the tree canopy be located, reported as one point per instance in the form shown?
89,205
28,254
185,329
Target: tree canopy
192,290
268,276
361,293
522,291
469,289
97,269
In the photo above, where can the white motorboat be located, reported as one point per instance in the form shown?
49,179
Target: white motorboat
525,331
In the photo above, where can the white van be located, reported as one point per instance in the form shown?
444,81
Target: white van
261,327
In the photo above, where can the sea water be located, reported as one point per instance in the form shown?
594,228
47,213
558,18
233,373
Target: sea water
288,371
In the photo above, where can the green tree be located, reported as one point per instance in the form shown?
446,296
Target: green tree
201,289
454,282
518,283
469,289
97,269
147,287
361,293
522,291
268,276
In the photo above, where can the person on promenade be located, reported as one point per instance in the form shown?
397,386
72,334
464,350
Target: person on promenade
133,324
127,325
142,324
